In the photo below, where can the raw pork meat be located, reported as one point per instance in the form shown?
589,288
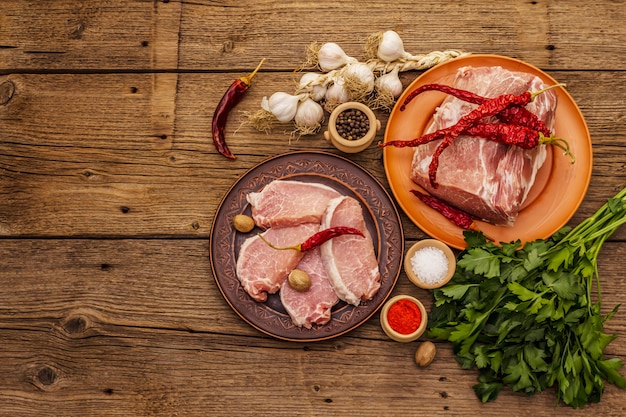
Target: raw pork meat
350,260
313,305
484,178
284,203
262,269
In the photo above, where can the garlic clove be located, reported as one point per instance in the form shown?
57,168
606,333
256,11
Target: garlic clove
283,106
331,56
361,76
391,47
265,104
309,115
390,83
337,92
314,84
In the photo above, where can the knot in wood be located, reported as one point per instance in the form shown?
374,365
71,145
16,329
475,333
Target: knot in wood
7,89
46,376
75,325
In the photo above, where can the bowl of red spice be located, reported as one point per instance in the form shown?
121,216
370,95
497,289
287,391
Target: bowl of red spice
429,263
352,127
403,318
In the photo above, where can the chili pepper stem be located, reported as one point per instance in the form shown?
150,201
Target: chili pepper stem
534,94
318,238
295,247
248,79
559,143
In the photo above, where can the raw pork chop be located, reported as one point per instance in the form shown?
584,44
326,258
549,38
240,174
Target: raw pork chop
262,269
313,305
484,178
284,203
350,260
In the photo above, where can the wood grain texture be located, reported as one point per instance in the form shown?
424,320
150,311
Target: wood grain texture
138,327
131,153
222,35
109,184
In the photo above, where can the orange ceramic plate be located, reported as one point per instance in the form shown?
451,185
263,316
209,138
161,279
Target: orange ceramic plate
560,186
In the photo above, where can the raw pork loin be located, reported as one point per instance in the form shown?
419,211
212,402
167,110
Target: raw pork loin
350,260
315,304
262,269
484,178
284,203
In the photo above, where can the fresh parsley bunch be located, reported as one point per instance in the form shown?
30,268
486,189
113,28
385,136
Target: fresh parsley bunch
524,315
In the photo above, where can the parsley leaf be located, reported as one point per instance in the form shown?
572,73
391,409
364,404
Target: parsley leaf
522,315
481,262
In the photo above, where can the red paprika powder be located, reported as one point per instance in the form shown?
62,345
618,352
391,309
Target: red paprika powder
404,316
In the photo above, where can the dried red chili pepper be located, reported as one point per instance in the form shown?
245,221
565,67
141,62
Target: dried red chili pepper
489,108
412,143
464,95
318,238
230,99
508,134
434,162
520,136
456,216
515,114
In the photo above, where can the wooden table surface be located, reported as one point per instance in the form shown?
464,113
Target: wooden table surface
109,184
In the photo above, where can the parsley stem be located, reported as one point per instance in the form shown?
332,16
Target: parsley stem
532,323
607,230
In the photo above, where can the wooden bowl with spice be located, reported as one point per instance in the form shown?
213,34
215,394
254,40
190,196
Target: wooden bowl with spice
429,263
403,318
352,127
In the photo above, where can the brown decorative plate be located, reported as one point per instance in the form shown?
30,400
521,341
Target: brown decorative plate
381,217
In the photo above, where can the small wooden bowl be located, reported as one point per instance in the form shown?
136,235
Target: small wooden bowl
413,276
399,337
351,146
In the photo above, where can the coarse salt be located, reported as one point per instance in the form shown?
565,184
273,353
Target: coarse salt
430,264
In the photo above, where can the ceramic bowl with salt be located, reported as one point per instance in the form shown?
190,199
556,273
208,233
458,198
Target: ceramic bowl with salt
429,263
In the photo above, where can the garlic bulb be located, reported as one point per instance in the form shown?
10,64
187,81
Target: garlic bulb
309,115
361,75
391,47
282,105
314,84
330,56
337,93
390,83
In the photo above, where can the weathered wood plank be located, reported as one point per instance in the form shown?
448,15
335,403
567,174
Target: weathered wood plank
209,35
109,184
82,36
138,327
113,154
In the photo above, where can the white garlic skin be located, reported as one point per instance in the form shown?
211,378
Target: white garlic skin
283,106
391,47
363,73
309,114
337,93
390,83
314,84
331,56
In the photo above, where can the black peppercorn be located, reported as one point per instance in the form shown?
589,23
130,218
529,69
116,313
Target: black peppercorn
352,124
